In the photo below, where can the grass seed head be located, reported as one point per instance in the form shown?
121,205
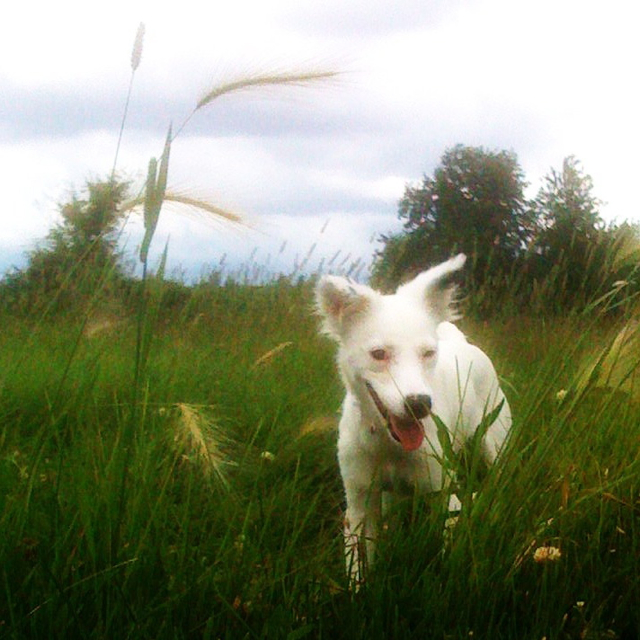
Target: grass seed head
267,79
136,53
202,441
270,355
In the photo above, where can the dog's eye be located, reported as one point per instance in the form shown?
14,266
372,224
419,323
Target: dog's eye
428,353
379,354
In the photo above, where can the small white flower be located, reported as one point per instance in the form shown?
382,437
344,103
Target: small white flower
268,456
547,554
454,503
561,395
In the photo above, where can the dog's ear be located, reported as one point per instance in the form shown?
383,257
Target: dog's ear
436,288
340,302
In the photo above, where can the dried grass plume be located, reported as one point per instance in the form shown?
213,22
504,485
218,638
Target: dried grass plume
202,442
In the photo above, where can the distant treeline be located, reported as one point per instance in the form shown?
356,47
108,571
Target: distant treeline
545,255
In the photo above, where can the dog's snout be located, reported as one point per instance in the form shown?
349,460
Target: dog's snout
418,405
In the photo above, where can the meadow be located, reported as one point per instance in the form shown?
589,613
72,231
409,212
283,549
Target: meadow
193,491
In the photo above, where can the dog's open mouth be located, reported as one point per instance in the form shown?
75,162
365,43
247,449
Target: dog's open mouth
408,431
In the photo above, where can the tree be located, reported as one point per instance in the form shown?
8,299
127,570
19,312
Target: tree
572,240
474,203
566,207
79,252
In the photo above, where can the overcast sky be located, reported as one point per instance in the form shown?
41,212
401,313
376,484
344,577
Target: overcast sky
321,167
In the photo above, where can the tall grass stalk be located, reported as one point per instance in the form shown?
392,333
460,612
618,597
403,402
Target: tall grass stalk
136,57
155,195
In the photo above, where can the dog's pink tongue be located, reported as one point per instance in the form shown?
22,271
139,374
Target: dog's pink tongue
409,432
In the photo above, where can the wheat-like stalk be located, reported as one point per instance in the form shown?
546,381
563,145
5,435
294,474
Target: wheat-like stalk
319,425
136,53
257,80
269,355
204,206
269,79
190,203
136,56
201,440
155,191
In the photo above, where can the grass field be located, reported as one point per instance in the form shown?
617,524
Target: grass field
204,500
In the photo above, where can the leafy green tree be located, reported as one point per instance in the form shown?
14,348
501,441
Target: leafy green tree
473,203
79,253
572,239
546,255
566,209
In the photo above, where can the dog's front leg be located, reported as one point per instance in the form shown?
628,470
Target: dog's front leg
360,529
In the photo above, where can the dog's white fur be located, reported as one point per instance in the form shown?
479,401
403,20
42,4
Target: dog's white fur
400,355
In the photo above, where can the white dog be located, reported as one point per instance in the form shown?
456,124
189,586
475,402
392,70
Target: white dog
402,361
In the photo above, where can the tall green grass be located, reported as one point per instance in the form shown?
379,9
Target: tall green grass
229,522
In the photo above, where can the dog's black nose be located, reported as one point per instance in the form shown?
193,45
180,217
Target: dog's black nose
418,405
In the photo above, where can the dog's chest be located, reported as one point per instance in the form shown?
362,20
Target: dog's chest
403,472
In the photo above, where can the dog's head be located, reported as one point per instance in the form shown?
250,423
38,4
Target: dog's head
388,344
